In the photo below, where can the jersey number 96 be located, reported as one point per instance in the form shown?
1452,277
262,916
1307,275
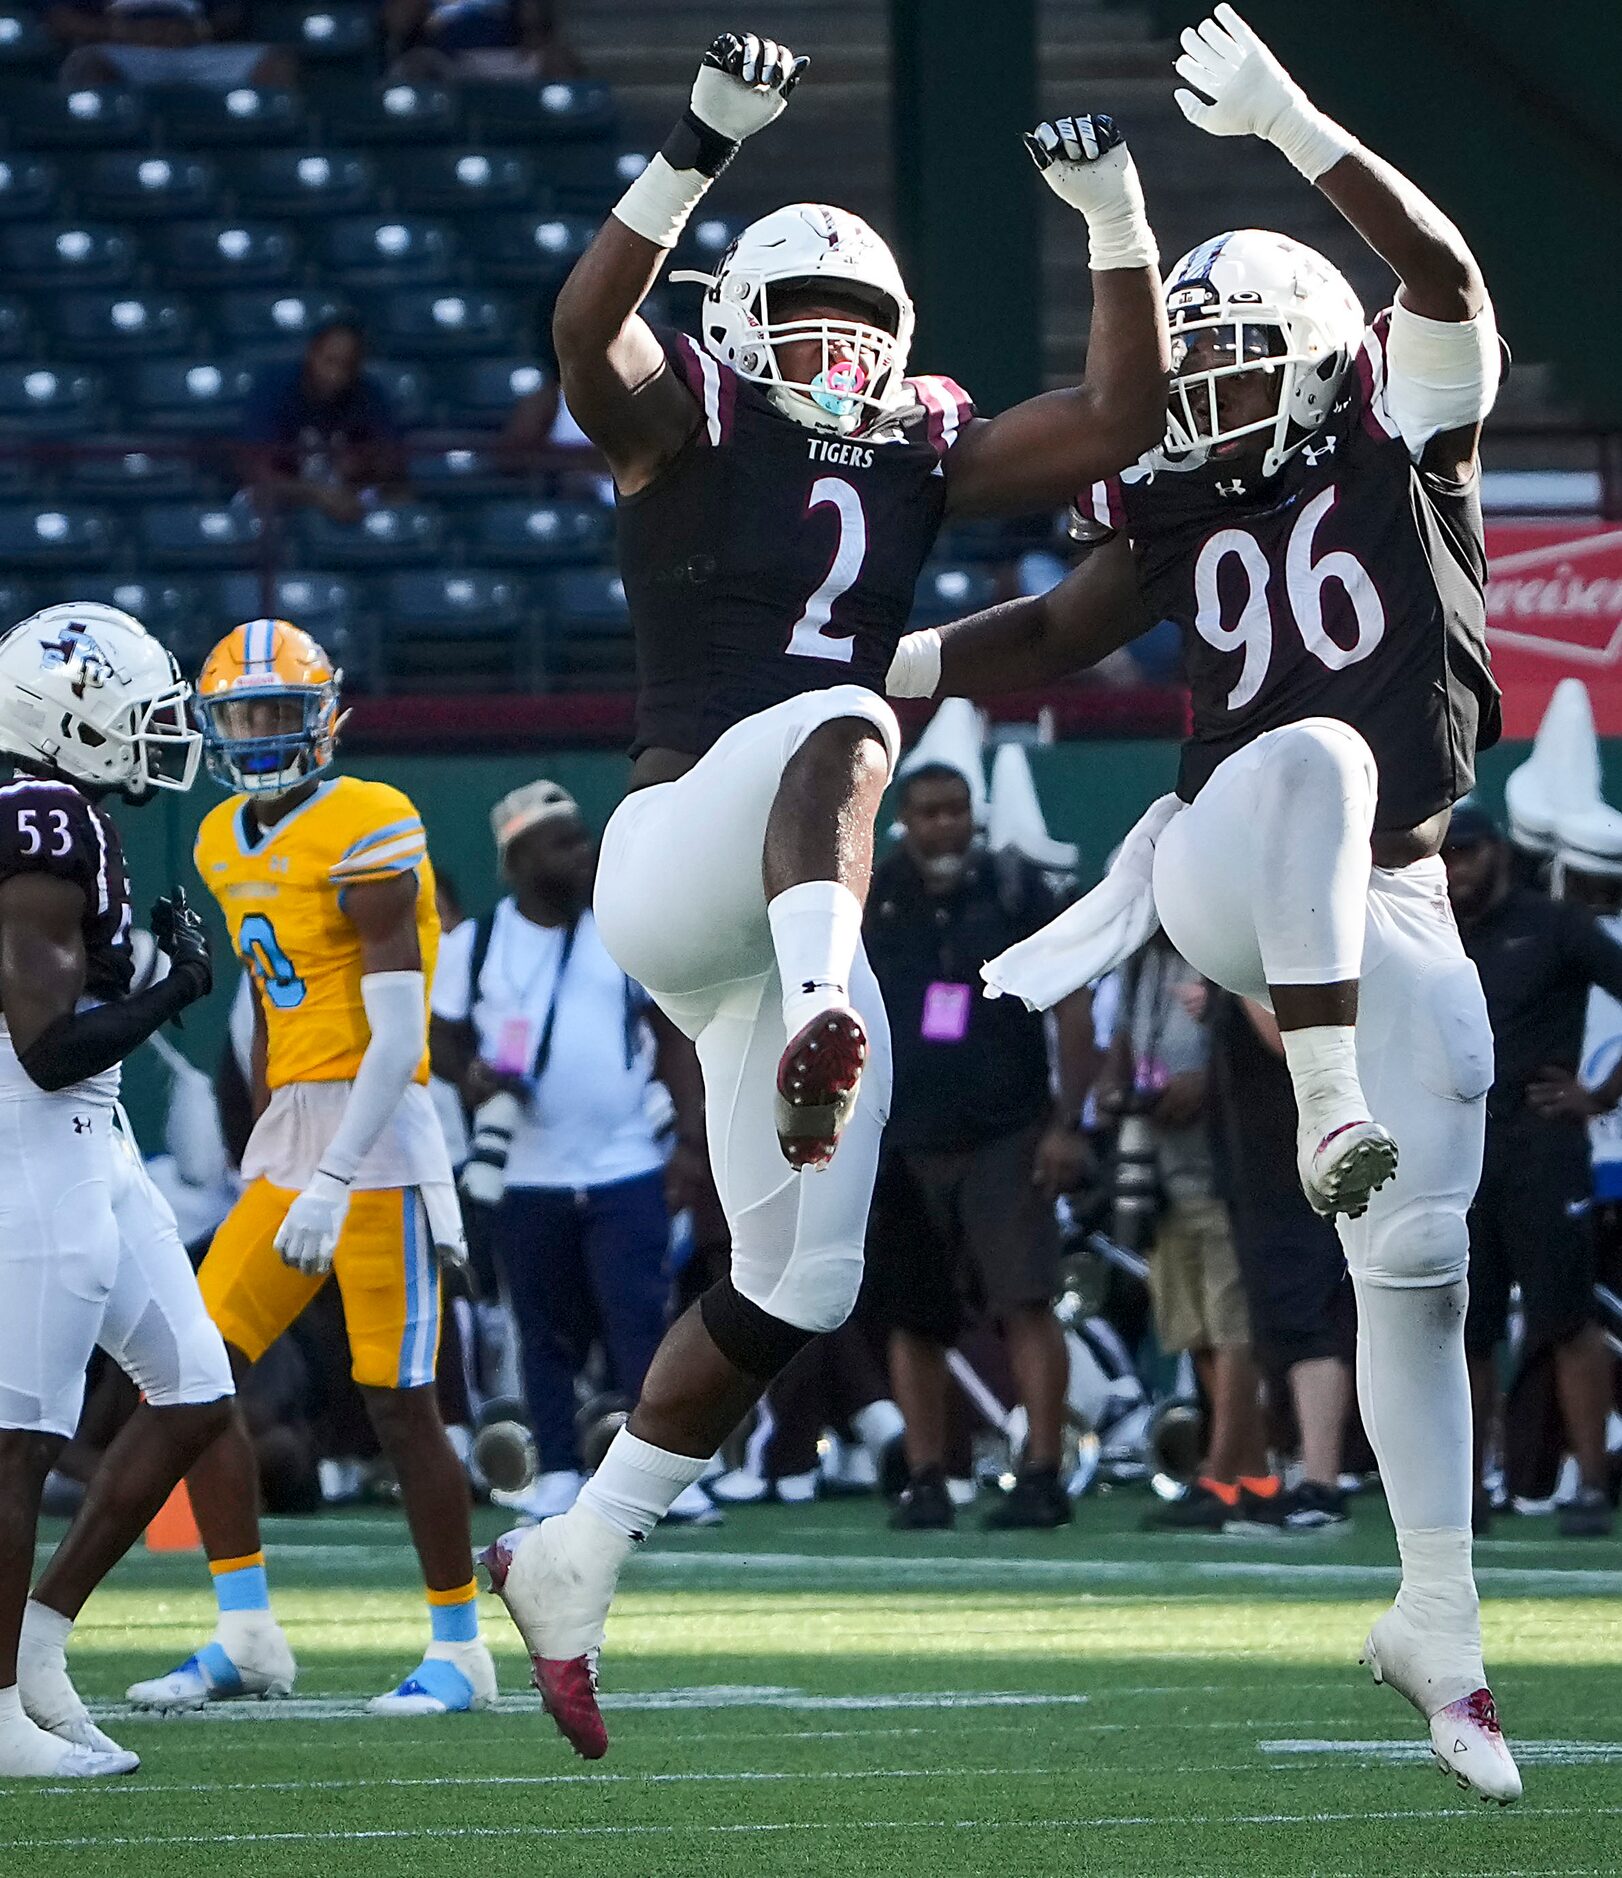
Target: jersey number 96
263,956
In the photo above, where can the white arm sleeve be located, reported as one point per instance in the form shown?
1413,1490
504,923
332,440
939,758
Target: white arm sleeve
398,1015
1440,374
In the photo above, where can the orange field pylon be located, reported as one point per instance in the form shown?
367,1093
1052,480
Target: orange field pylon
174,1529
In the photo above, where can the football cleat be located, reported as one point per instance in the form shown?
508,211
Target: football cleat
1346,1166
51,1702
561,1620
817,1079
1466,1738
30,1753
452,1679
262,1666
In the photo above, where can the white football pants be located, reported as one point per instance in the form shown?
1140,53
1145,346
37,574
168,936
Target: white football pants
1265,878
89,1254
681,906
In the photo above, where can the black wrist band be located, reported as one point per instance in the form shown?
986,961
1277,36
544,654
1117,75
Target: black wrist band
693,145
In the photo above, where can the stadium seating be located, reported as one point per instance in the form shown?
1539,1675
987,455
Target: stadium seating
304,182
200,535
225,254
49,400
528,250
541,111
270,321
136,186
203,396
396,114
42,117
29,187
542,534
425,322
408,535
364,251
25,45
457,630
95,325
445,182
484,391
69,535
195,117
67,254
132,477
16,330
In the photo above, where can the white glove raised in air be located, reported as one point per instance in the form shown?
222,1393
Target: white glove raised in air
1247,93
308,1238
744,84
1085,162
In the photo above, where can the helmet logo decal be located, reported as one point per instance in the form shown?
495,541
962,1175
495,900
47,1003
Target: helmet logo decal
75,648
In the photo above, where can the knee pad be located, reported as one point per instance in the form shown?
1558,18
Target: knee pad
748,1337
1408,1247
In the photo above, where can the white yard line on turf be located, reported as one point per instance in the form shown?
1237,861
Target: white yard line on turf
345,1708
948,1571
1527,1753
695,1829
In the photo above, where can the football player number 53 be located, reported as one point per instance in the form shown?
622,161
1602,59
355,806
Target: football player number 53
810,638
262,954
1305,579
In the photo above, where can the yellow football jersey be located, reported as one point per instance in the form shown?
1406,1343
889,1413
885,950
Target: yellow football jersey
280,890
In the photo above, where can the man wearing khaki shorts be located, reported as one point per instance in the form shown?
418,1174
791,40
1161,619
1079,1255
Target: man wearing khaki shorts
1159,1067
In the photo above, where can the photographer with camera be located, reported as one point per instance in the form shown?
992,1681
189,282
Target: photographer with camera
554,1051
977,1147
1166,1198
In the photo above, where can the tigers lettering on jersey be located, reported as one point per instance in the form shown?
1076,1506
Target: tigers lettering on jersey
281,891
1351,586
53,828
766,560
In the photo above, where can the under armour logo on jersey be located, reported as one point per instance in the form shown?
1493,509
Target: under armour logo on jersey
1314,451
81,1124
1235,488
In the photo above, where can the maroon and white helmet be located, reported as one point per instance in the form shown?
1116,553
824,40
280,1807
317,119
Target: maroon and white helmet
805,246
1275,306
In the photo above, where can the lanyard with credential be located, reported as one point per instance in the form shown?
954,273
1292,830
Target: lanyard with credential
543,1049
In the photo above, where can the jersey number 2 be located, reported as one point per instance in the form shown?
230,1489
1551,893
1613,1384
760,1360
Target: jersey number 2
1304,583
263,955
810,638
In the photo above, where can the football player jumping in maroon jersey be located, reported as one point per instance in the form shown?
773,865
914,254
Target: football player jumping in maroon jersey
781,479
1312,521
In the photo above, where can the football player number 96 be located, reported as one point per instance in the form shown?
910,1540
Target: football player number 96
1304,582
262,954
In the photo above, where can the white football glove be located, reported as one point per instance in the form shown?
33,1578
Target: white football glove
308,1238
1085,162
744,84
1251,95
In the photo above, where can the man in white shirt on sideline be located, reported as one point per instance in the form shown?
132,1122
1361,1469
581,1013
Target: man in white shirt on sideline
528,1006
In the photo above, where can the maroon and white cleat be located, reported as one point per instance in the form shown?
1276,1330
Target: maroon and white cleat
552,1609
1466,1739
817,1080
1344,1167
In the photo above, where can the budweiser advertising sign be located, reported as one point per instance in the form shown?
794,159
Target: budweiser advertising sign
1554,610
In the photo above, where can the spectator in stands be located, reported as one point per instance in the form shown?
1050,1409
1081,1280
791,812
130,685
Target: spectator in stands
162,42
1531,1222
1159,1072
1297,1290
555,1050
439,40
319,432
977,1147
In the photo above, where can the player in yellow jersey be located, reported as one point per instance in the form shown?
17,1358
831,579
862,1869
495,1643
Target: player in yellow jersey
327,891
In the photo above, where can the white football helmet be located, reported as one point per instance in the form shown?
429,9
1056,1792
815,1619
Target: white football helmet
86,691
806,246
1272,305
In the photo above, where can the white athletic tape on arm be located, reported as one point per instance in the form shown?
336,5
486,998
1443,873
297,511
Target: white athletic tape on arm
1440,374
658,203
915,671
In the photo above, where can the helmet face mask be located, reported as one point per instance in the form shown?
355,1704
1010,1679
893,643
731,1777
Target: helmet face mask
815,257
87,694
267,706
1250,310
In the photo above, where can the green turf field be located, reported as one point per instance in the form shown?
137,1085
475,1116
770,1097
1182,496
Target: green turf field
804,1692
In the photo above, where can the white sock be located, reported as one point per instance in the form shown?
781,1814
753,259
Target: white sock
816,928
1322,1061
633,1488
44,1629
877,1425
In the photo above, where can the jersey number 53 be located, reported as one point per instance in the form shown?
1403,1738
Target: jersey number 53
1305,579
